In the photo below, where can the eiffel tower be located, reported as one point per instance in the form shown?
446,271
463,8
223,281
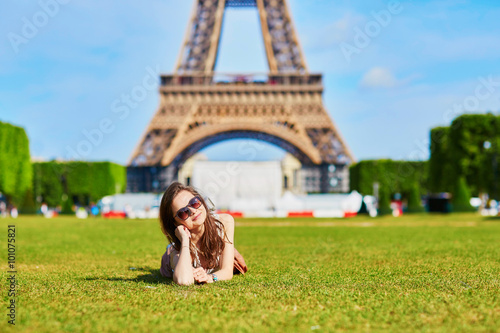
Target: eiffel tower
200,107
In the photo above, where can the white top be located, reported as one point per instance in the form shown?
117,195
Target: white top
197,262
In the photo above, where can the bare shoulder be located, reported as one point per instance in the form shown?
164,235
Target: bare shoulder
227,220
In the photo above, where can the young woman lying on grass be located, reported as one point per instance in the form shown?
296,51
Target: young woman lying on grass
201,242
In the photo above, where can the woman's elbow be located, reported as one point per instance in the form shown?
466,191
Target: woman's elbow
184,282
229,275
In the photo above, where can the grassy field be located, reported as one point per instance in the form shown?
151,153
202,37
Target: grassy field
428,273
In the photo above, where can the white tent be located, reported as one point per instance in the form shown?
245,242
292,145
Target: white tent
135,205
235,185
289,202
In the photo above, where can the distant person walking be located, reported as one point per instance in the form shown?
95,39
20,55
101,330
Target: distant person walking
3,209
14,213
94,210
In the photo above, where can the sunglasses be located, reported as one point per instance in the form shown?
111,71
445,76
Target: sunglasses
185,212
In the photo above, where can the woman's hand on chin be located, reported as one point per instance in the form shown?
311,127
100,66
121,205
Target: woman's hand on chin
183,234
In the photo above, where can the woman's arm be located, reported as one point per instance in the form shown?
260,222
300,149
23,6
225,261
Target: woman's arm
183,271
227,258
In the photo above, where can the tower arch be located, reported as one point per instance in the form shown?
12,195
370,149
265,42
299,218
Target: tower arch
199,106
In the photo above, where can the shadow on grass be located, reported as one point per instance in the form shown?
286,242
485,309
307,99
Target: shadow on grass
154,277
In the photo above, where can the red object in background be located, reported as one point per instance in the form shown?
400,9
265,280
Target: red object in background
350,214
233,214
397,208
114,215
307,213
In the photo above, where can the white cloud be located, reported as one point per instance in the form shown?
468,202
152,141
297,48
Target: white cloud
383,78
378,77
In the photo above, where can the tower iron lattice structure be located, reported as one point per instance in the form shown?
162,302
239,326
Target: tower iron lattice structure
199,107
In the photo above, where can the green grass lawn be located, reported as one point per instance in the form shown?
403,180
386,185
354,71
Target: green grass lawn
430,273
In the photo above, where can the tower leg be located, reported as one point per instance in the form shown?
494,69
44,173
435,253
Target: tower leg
153,179
325,178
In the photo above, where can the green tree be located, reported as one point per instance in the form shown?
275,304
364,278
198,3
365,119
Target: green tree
78,181
15,163
395,176
441,170
67,206
468,134
384,201
466,148
48,182
414,200
461,196
28,206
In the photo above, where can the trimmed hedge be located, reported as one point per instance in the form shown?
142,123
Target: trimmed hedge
79,182
441,171
459,150
461,197
15,165
384,202
392,176
47,185
414,200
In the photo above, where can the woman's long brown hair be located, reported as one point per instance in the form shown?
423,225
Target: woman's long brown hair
212,244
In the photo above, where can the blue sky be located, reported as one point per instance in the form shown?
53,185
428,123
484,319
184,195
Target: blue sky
422,64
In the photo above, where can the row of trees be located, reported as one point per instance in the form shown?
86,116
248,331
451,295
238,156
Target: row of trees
15,166
468,148
67,183
56,183
463,161
405,177
393,176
